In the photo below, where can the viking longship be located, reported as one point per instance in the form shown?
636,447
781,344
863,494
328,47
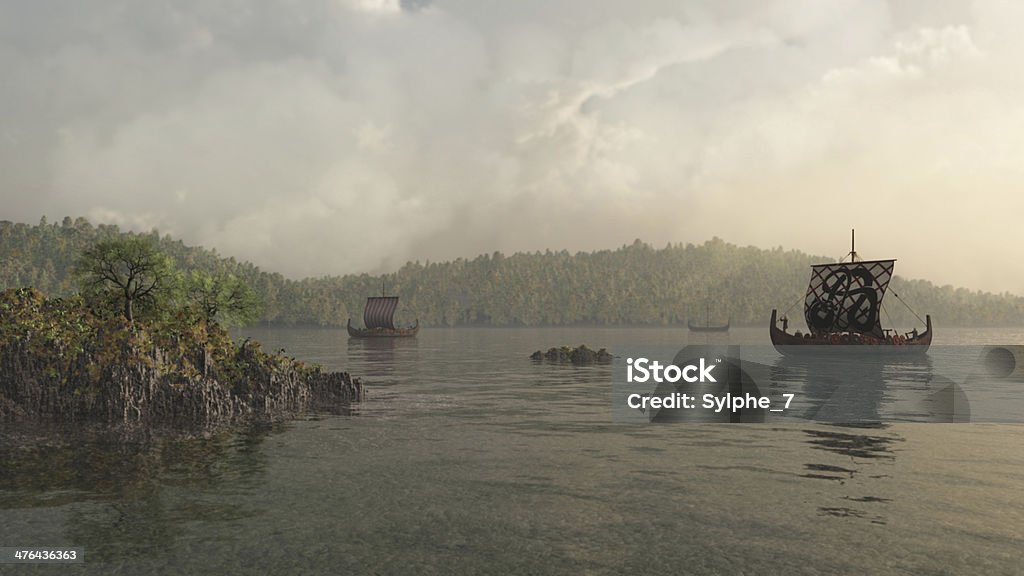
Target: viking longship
843,307
707,326
378,318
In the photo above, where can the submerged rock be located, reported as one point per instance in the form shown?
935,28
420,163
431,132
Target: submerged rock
579,355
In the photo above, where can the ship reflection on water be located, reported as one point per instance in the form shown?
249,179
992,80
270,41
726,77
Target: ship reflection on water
848,388
857,388
855,451
867,453
379,355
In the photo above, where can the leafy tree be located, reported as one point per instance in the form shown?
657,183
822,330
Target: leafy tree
221,297
131,271
634,284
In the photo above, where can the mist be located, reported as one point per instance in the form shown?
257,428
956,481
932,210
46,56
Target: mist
346,136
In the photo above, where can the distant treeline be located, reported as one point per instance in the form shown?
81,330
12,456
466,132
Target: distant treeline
635,284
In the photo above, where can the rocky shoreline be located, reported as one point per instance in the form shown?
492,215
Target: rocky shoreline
58,360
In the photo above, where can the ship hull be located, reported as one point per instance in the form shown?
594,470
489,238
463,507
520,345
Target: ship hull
792,345
407,332
695,328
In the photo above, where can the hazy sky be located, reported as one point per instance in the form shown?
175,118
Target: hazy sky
321,137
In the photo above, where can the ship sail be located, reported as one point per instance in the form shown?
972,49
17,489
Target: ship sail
380,312
847,297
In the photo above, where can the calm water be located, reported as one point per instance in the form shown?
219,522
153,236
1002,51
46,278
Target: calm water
468,458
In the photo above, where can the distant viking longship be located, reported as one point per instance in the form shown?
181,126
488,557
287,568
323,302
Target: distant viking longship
378,318
707,326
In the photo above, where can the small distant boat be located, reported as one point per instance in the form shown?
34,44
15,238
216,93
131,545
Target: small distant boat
708,326
842,309
378,317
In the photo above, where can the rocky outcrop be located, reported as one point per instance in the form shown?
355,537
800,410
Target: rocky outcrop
58,360
579,355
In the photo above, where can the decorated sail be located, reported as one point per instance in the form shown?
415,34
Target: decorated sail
380,312
847,297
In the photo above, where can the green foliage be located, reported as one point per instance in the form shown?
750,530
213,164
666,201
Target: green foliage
220,297
59,358
132,271
635,284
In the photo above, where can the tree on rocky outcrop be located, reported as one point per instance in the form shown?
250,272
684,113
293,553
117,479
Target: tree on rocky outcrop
221,297
130,271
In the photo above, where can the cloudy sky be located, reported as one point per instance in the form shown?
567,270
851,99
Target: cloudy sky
321,137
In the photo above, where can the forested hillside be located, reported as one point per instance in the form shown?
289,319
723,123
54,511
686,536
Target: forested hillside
635,284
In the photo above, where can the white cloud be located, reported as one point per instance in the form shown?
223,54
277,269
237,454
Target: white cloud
388,7
338,136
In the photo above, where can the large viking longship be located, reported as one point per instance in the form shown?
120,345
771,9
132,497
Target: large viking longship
843,307
379,320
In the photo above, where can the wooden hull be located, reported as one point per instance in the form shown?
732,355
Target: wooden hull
695,328
407,332
792,345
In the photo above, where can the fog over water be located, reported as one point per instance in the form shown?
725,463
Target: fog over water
288,133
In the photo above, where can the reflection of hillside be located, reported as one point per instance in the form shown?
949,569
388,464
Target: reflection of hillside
124,494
